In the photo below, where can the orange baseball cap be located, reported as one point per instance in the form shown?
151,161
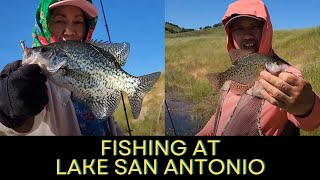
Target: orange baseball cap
86,6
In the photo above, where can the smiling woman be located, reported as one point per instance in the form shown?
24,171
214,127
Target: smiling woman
145,56
64,20
67,23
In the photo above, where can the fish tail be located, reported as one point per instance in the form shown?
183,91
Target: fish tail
216,80
136,98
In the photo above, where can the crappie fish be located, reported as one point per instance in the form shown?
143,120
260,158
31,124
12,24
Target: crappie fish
245,71
92,73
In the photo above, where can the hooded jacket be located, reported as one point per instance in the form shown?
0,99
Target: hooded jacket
273,119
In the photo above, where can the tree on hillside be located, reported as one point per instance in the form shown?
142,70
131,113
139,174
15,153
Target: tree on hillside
217,25
170,30
172,24
186,30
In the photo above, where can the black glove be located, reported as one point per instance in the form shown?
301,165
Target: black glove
23,93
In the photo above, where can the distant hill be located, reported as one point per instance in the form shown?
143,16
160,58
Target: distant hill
172,28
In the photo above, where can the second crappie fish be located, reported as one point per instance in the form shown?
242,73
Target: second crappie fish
245,71
92,73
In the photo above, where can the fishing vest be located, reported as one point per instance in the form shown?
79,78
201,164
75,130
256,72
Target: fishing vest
245,119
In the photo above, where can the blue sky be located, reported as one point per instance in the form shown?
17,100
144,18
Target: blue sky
285,14
139,22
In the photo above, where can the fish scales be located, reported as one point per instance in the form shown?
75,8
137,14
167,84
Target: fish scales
92,72
245,71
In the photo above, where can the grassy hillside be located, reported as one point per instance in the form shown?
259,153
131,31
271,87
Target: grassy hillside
151,119
173,29
191,55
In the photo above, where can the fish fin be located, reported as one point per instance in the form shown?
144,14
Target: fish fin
105,106
226,85
119,50
255,90
64,95
216,80
99,43
136,97
236,54
238,88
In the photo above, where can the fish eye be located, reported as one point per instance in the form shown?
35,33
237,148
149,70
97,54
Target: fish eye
43,49
64,71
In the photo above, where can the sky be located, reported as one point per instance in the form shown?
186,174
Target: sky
285,14
139,22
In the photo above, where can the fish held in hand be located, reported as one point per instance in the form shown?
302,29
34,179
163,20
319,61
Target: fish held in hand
245,72
92,73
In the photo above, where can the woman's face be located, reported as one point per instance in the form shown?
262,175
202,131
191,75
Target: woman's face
67,23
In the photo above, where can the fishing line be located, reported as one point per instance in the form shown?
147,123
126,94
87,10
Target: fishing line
124,106
174,130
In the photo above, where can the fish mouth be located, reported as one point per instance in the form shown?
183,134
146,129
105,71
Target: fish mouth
54,65
26,50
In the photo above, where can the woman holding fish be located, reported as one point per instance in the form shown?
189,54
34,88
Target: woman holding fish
261,94
31,105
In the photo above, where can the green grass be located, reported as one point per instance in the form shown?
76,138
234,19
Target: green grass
191,55
301,48
2,133
311,74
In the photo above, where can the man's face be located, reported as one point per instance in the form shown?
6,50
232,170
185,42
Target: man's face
246,33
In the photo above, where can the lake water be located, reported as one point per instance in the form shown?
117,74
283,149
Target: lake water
182,121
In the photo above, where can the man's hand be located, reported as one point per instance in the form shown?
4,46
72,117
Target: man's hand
289,92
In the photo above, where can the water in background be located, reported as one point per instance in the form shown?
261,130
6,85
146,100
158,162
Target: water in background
182,121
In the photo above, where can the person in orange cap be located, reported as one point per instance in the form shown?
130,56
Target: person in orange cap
288,102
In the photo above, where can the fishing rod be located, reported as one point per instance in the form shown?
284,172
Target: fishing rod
124,106
174,130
